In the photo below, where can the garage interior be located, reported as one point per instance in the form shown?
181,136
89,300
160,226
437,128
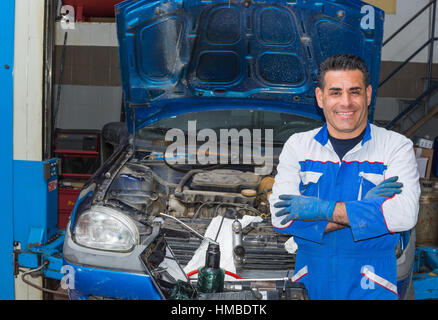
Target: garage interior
72,45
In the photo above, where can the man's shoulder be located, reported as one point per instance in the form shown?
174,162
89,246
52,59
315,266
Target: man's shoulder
303,136
387,142
382,134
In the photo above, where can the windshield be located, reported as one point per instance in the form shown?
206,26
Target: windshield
283,125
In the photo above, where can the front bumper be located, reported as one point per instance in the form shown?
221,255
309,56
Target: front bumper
84,282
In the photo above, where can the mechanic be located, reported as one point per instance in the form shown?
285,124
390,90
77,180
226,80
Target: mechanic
345,191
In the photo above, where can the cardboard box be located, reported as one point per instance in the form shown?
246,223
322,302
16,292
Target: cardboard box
389,6
424,161
423,143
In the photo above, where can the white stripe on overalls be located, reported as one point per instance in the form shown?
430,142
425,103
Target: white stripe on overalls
379,280
299,274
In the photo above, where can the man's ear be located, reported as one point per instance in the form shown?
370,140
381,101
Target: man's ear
369,93
318,95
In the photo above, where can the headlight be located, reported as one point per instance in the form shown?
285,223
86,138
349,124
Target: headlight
106,229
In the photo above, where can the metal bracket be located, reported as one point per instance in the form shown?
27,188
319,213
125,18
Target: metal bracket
49,253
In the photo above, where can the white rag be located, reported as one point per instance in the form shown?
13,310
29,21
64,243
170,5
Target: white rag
225,240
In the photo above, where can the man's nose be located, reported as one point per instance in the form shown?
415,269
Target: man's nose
345,99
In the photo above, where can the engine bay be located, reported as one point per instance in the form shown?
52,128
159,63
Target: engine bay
186,211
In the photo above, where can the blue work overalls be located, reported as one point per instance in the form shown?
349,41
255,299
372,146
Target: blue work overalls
356,262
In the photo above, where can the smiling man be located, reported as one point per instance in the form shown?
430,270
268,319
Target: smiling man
345,191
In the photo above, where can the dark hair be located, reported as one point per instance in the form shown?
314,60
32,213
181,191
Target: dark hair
343,62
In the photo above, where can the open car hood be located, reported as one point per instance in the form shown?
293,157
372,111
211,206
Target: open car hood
178,56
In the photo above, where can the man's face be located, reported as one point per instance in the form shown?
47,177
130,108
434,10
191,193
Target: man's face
344,101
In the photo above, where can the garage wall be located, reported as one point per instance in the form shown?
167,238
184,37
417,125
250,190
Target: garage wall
411,38
90,92
410,82
88,107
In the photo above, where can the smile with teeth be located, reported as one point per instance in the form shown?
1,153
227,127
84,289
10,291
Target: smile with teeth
345,113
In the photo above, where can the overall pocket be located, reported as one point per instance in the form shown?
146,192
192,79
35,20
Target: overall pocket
367,182
309,185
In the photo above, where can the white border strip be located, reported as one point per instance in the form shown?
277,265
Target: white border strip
379,280
297,276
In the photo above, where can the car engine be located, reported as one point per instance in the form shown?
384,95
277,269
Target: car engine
186,204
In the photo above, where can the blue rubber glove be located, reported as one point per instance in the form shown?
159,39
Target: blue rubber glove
386,189
304,208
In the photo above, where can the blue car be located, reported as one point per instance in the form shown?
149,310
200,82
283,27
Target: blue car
212,90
